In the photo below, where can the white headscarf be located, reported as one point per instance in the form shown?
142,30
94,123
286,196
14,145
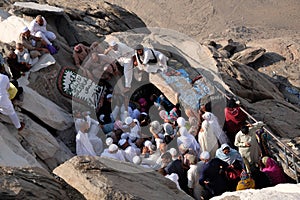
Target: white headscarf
181,121
187,140
214,123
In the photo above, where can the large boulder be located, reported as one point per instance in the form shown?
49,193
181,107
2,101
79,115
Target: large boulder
281,191
29,183
45,110
103,178
12,152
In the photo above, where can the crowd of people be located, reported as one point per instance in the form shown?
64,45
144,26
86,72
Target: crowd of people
203,157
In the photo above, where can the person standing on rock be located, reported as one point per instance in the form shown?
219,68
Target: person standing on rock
150,60
248,146
6,106
123,54
38,28
83,145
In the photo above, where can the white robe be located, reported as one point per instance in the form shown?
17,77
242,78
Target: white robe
117,156
92,133
207,139
41,31
161,61
83,145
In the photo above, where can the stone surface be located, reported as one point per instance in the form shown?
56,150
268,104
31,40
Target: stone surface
29,183
248,55
45,110
36,6
281,191
102,178
12,152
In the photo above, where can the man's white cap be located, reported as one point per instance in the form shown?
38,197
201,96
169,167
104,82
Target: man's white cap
205,155
109,96
147,143
25,29
112,43
109,141
124,136
173,151
128,120
112,148
137,160
122,142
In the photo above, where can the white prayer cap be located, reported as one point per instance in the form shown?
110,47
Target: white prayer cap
137,160
181,121
109,96
147,143
204,155
128,120
112,43
112,148
122,142
156,126
173,151
101,117
25,29
124,136
109,141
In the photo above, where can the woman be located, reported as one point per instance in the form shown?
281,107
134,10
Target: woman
207,139
235,118
217,130
188,140
273,170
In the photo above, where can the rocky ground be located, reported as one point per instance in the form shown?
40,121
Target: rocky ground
263,73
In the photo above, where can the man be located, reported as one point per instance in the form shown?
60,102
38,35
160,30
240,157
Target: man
175,167
83,144
150,60
129,151
248,146
80,52
6,106
38,28
35,45
123,54
135,129
114,153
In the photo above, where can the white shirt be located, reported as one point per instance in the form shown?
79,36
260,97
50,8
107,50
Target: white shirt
193,176
117,156
83,145
35,27
123,54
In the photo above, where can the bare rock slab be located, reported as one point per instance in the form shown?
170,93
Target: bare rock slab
101,178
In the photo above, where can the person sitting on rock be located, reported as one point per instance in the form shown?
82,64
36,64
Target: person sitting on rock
24,56
80,52
38,28
150,60
6,106
17,69
36,46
